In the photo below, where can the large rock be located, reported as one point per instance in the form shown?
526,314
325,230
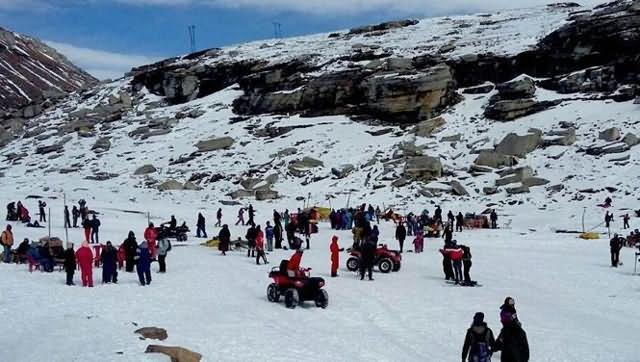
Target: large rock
523,87
343,170
180,87
534,181
266,194
145,170
458,189
514,175
176,354
508,110
427,128
520,146
423,168
215,144
103,144
170,185
631,139
518,190
307,162
494,159
610,135
190,186
153,333
565,137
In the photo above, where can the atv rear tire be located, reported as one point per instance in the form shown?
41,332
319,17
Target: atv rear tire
273,294
396,267
353,264
385,265
322,299
291,298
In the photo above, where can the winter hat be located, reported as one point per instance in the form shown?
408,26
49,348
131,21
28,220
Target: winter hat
478,319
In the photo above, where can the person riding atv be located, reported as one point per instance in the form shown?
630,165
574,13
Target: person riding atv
386,260
296,284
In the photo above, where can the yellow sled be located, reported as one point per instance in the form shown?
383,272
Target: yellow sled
213,243
589,236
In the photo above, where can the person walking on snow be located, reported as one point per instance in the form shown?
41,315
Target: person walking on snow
164,247
367,258
512,341
224,238
130,249
625,221
42,213
84,255
478,341
508,311
260,246
143,264
269,235
95,227
86,224
494,219
6,238
70,263
401,235
459,222
151,236
335,256
219,218
615,245
608,218
201,226
240,217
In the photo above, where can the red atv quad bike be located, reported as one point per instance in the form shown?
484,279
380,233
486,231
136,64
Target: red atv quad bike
386,260
296,289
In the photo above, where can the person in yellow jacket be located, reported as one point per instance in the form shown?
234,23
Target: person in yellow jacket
7,241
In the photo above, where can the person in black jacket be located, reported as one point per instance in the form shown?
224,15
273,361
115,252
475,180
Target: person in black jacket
130,249
69,263
218,218
22,251
447,235
67,217
459,222
478,341
494,219
224,238
615,245
109,259
401,234
95,229
513,343
252,214
367,258
75,212
251,236
466,263
41,211
201,226
450,219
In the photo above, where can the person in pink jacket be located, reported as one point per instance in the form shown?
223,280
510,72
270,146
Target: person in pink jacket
418,242
260,246
84,255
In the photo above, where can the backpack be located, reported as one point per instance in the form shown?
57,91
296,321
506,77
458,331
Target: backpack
480,348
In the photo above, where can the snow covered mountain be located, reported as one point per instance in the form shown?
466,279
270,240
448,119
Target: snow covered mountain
31,71
405,110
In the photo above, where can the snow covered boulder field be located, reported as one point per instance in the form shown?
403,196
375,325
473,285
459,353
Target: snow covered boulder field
533,113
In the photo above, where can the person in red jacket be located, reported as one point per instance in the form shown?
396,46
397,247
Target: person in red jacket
260,246
335,257
455,253
85,260
151,236
293,267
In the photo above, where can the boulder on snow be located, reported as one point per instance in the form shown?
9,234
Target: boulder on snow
190,186
307,162
103,144
170,185
520,146
241,194
343,170
565,137
215,144
423,168
145,170
494,159
610,135
458,189
490,190
152,333
534,181
401,182
631,139
176,354
523,87
266,194
512,176
427,128
518,190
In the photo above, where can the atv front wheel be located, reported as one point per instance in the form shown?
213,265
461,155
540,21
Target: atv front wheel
385,265
291,298
322,299
353,264
273,294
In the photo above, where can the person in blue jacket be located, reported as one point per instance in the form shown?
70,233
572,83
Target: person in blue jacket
268,231
143,263
95,227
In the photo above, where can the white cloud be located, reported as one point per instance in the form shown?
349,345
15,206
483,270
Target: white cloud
99,63
358,6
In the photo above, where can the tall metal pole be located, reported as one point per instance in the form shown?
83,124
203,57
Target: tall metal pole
584,211
49,223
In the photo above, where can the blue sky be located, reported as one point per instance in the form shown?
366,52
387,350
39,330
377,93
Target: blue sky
107,37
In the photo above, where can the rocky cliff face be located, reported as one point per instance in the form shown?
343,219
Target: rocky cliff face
32,71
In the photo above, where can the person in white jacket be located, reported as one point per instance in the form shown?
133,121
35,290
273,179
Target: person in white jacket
164,246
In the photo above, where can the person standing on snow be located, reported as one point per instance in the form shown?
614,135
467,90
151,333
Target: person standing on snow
86,224
219,218
608,218
512,341
164,247
109,258
130,248
615,245
201,226
6,238
41,212
367,258
451,219
447,234
151,236
335,256
508,311
459,222
251,236
455,253
240,217
85,260
401,235
95,227
277,234
494,219
418,242
625,221
260,246
269,235
143,264
70,263
224,238
67,219
478,341
251,215
466,263
75,212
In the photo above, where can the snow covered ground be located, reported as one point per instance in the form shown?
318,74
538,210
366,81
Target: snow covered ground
573,306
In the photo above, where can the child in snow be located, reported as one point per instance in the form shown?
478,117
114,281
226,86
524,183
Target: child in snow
335,256
508,311
418,242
